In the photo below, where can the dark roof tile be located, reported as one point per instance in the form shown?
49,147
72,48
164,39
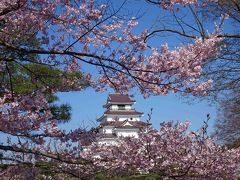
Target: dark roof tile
119,98
122,124
107,135
124,112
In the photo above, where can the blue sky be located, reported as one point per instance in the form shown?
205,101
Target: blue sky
87,104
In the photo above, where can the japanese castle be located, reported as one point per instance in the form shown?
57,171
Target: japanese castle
119,120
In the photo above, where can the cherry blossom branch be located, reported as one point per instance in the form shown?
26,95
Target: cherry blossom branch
57,157
10,8
96,25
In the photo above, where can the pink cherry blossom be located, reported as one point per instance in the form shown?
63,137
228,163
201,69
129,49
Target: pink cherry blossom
74,34
171,152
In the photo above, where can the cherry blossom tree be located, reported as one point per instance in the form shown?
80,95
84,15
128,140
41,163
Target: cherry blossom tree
72,35
227,124
82,32
194,19
170,153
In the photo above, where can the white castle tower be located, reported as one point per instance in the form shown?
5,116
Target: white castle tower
119,120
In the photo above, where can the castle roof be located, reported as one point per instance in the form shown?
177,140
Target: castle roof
113,135
122,112
119,98
126,124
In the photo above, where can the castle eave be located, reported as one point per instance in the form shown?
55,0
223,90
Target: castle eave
122,113
123,124
108,136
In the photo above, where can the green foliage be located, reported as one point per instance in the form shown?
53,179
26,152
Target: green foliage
100,176
27,78
103,176
51,98
45,168
61,112
141,177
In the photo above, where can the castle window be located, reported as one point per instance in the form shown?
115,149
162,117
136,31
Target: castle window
121,107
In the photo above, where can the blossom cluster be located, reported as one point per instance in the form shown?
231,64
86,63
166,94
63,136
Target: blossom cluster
83,32
68,35
167,70
171,152
168,4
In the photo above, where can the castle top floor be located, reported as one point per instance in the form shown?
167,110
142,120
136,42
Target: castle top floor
119,102
119,108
